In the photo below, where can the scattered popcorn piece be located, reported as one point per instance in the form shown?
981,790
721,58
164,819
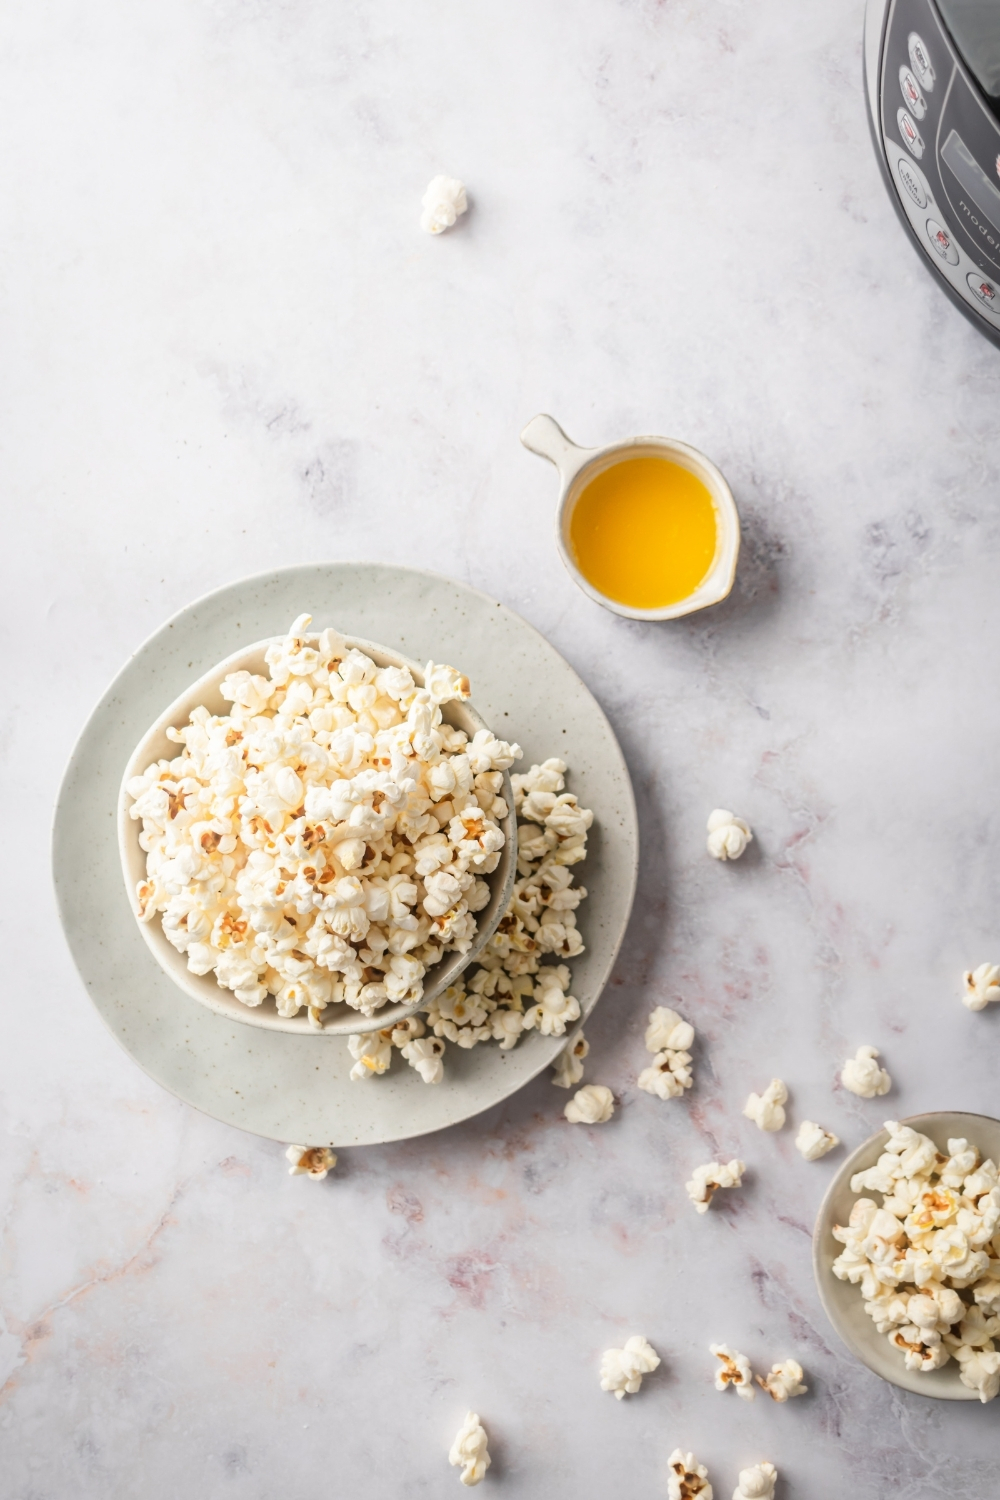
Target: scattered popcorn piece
715,1174
784,1381
668,1075
372,1053
567,1069
592,1105
863,1076
688,1479
622,1369
766,1109
469,1450
425,1054
728,836
813,1141
668,1032
979,1370
311,1161
734,1370
756,1483
443,202
982,986
926,1261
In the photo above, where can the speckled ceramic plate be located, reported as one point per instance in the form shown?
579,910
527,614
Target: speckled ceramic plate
274,1083
842,1301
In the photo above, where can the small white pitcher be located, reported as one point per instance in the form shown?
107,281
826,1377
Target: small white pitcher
578,466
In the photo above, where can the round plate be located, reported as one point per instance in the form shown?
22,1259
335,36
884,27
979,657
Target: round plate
843,1302
272,1083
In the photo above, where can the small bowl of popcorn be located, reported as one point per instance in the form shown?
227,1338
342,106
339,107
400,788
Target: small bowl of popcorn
906,1254
317,836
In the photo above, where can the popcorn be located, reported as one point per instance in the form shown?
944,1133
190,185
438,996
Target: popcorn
668,1032
622,1369
372,1052
688,1479
668,1075
863,1076
311,1161
728,836
444,201
756,1483
813,1141
705,1180
981,986
554,1009
469,1451
924,1260
784,1381
592,1105
425,1055
734,1370
567,1069
766,1109
325,841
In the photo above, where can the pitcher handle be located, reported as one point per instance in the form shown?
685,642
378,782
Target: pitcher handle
544,436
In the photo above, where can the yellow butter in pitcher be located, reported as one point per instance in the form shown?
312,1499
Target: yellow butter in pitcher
644,532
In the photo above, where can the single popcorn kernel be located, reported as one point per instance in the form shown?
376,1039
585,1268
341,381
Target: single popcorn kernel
757,1483
728,835
688,1479
594,1104
707,1179
311,1161
622,1369
444,201
784,1381
733,1372
469,1450
766,1110
863,1076
981,987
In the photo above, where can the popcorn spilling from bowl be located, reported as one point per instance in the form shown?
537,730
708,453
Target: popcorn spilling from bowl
928,1261
327,839
567,1070
517,983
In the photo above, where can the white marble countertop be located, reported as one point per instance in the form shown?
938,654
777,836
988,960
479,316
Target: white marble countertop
228,346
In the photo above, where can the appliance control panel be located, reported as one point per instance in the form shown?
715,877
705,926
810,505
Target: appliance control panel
942,149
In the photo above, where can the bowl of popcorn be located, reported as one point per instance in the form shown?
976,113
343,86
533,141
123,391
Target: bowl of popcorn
317,836
906,1253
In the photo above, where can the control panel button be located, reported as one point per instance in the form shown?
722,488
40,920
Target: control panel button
920,60
986,292
913,181
912,97
941,242
912,138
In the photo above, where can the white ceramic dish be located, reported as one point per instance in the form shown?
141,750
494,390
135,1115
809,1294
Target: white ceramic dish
272,1083
578,466
842,1301
338,1020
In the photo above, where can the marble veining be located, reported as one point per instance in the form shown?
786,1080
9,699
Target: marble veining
228,347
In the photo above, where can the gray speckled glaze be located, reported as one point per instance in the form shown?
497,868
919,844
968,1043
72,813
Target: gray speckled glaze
843,1302
282,1085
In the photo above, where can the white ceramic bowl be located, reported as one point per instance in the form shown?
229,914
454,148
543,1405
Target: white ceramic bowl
578,466
338,1020
843,1302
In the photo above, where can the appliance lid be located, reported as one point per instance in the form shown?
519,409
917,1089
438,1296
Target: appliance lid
975,29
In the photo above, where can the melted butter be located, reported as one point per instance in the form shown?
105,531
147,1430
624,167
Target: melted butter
644,532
